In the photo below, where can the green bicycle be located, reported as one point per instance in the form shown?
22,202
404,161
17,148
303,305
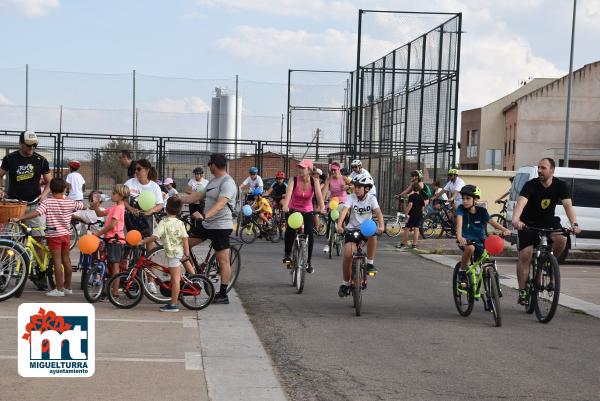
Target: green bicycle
466,292
20,258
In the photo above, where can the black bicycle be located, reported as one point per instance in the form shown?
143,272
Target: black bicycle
254,228
500,218
543,282
439,223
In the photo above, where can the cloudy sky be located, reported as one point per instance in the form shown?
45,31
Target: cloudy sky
205,43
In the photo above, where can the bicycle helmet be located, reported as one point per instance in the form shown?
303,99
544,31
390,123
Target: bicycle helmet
363,180
198,170
471,190
253,170
417,173
453,171
257,191
280,174
356,163
74,164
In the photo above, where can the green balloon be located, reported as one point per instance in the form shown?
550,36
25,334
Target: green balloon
295,220
146,200
335,215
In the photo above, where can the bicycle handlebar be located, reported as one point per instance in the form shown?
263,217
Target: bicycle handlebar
33,202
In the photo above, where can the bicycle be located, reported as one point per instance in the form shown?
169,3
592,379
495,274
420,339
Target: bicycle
251,230
299,262
393,225
334,239
358,282
481,271
19,259
501,218
278,217
435,224
543,282
197,292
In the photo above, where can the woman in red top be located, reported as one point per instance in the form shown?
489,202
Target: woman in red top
298,198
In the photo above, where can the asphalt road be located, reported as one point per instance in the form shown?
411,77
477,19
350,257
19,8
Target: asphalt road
410,343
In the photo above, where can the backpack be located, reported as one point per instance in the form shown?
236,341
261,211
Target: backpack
426,192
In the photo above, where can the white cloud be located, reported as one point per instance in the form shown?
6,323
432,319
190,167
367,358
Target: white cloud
305,8
29,8
4,100
192,104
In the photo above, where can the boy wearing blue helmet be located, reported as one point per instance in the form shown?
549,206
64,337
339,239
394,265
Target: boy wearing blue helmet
262,206
251,182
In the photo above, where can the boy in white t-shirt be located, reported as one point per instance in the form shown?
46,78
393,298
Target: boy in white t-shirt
75,181
360,207
252,182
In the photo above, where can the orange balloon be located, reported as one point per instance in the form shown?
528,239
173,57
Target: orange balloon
133,237
88,244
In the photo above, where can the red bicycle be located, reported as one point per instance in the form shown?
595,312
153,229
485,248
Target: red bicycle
125,290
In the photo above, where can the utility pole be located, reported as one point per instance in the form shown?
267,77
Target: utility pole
570,91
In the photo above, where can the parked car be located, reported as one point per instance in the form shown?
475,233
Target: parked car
584,186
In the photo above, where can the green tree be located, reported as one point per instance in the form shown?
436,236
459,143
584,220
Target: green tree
108,159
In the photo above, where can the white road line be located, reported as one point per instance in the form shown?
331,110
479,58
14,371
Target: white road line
187,322
125,359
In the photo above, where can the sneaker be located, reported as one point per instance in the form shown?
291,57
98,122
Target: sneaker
221,299
371,269
413,246
55,293
68,291
326,249
287,260
400,246
523,297
310,269
343,291
169,308
152,288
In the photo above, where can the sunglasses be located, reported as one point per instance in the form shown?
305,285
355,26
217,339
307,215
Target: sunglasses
356,167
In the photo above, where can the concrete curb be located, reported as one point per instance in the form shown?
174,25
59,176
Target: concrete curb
236,365
511,281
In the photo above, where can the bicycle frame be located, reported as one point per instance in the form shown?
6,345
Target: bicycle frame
476,273
31,246
148,266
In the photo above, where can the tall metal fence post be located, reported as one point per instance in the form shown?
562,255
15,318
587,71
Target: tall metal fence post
456,89
406,106
422,102
438,106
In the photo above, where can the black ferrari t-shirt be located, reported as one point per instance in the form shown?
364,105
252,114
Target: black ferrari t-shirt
541,201
24,175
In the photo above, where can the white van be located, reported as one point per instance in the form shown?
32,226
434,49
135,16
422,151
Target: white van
584,186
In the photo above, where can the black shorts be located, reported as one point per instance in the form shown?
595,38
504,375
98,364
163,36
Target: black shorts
529,238
414,220
218,237
114,252
349,237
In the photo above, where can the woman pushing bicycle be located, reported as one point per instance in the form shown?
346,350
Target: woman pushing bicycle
298,197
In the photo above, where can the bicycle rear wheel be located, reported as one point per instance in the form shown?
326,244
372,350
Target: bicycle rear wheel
493,293
14,264
198,293
498,218
248,233
431,227
214,271
93,282
462,293
547,281
321,230
301,267
74,235
128,293
392,227
160,296
357,270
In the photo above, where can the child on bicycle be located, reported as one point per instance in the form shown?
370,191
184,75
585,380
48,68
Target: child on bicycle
58,210
360,207
174,237
262,206
113,227
414,214
471,222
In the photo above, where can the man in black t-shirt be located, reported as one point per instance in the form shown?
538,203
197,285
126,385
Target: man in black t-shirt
25,167
536,208
126,161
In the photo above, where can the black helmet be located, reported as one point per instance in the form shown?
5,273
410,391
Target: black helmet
198,170
471,190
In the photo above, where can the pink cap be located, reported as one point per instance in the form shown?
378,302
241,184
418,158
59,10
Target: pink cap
168,181
306,163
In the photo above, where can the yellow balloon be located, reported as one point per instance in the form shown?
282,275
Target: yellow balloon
295,220
333,205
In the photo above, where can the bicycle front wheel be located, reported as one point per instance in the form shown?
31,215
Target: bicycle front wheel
248,233
431,227
547,282
321,229
152,290
123,291
462,292
301,267
392,227
74,235
493,294
214,271
357,269
197,293
93,282
14,265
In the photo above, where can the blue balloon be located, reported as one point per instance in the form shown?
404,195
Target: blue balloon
247,210
368,228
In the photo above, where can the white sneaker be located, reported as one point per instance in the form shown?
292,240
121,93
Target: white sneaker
326,249
152,287
55,293
68,291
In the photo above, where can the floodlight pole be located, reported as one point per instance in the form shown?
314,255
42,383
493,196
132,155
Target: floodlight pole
570,91
358,99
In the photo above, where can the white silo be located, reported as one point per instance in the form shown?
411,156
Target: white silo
223,124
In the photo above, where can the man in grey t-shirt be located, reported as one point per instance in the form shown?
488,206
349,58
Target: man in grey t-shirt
216,223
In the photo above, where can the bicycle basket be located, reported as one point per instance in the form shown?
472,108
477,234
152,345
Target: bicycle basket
9,210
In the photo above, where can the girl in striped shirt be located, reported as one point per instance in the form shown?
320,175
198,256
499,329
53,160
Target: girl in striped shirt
58,210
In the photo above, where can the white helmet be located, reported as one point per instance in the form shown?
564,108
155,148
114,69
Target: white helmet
363,180
356,163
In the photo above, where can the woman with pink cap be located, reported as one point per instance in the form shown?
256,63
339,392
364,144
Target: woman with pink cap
335,184
298,198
